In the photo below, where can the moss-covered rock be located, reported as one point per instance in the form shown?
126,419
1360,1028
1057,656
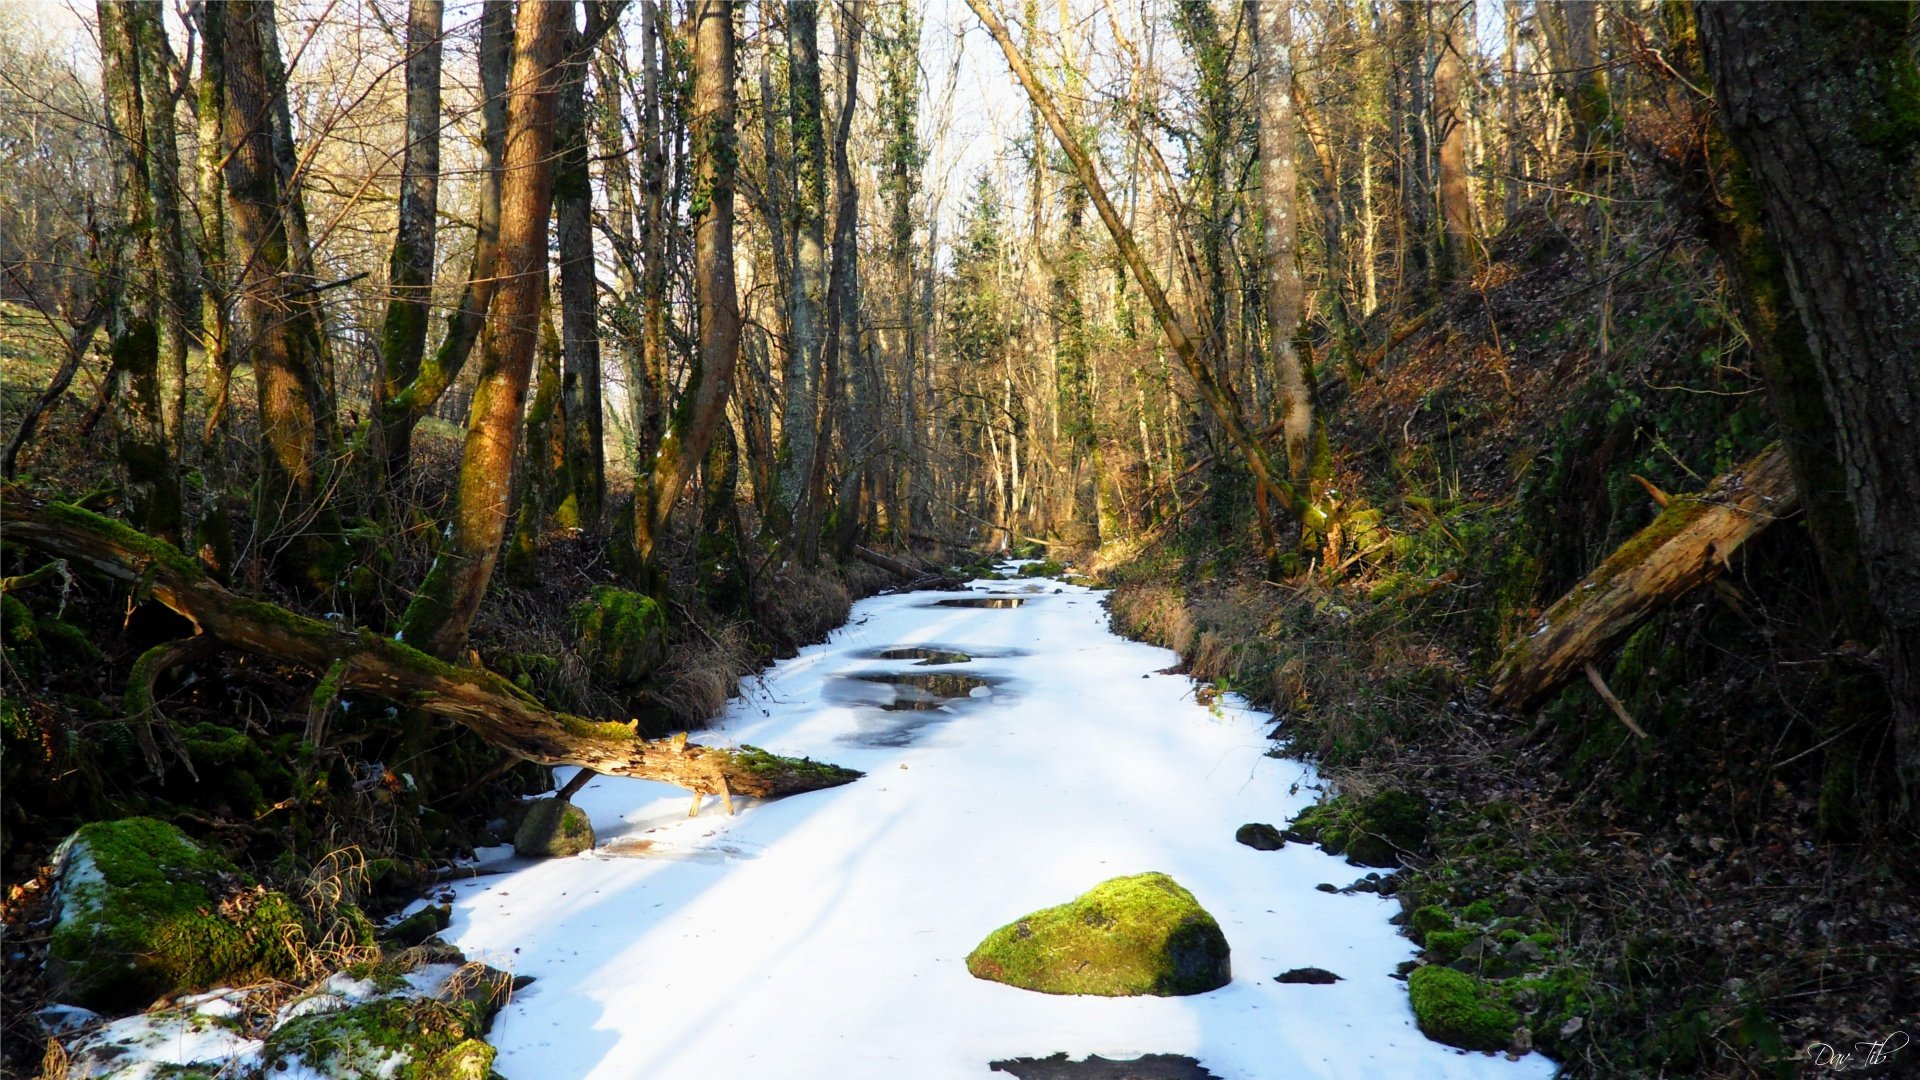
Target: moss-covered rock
553,828
145,912
1460,1010
1129,936
403,1038
1371,831
622,635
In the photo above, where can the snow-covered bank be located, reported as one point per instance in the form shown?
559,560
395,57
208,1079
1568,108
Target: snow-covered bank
824,935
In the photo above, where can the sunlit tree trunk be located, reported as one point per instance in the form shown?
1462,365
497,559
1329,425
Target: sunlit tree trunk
1459,250
216,332
404,409
284,340
702,409
1279,136
443,610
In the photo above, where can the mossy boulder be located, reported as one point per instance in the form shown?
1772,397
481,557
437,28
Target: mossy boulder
622,635
1460,1010
144,912
1125,937
403,1038
553,829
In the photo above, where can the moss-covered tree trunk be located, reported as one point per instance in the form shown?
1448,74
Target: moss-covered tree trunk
586,461
285,342
1823,102
703,405
405,405
216,332
156,65
359,660
147,462
442,612
403,337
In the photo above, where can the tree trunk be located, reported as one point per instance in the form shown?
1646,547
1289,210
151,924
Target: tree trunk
702,409
155,59
398,415
285,341
1819,101
586,470
360,660
146,456
1219,399
1279,138
443,610
806,306
1459,251
403,338
216,331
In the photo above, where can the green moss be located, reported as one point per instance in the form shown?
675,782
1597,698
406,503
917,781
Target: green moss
1445,946
622,634
755,760
433,1040
553,828
1049,568
16,622
1373,831
1128,936
66,640
1460,1010
144,912
1428,920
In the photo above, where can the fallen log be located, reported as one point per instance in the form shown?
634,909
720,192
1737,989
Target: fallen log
1688,545
358,659
886,562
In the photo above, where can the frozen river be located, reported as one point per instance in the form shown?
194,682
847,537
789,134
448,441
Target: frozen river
825,935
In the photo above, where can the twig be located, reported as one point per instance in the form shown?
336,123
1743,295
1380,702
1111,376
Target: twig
1619,710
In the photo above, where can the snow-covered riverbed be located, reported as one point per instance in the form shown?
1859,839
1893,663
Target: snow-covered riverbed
825,935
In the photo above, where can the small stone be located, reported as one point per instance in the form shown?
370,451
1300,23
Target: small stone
1572,1027
1260,836
553,829
1524,951
1328,887
1311,975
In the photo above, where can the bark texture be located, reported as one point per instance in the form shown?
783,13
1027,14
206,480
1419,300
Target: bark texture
1823,102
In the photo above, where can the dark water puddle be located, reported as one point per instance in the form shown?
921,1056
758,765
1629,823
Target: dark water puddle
921,692
1095,1067
905,703
981,601
927,657
937,655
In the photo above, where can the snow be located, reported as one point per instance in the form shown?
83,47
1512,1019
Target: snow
138,1046
825,935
